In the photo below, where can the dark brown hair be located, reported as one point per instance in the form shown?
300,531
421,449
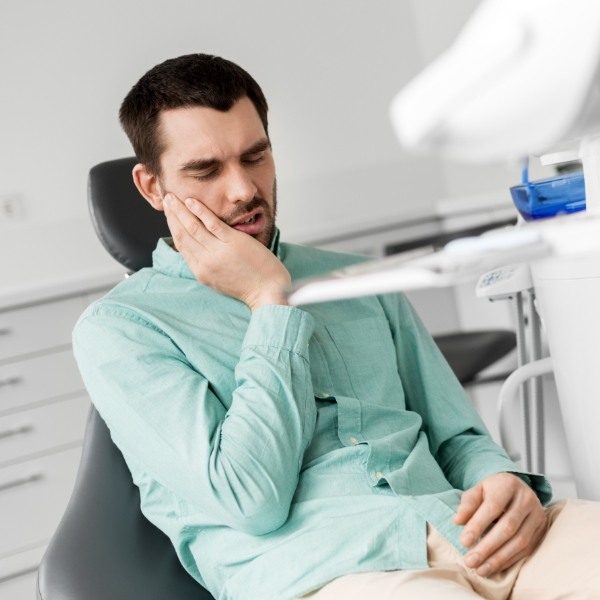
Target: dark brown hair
186,81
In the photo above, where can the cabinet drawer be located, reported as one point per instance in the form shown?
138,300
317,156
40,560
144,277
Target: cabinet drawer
21,562
33,497
19,588
38,327
41,429
39,378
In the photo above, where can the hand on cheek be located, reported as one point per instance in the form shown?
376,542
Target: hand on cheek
223,258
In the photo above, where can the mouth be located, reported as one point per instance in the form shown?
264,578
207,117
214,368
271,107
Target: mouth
251,223
251,219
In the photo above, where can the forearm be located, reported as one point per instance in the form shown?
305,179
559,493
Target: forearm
469,457
256,457
230,449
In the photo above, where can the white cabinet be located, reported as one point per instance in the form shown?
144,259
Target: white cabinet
43,409
19,588
48,274
33,496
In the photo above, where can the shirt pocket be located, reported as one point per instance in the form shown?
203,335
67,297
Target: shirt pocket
363,353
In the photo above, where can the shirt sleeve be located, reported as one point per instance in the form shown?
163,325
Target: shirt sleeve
238,466
458,438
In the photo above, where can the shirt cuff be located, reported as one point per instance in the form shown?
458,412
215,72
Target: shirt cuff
538,483
284,327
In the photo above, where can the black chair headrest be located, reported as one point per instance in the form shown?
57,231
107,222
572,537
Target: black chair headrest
128,227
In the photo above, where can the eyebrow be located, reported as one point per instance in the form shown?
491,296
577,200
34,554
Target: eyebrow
259,146
201,164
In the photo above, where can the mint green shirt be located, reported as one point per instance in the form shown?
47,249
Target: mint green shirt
282,448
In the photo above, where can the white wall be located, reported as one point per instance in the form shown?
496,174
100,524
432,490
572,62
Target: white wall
329,69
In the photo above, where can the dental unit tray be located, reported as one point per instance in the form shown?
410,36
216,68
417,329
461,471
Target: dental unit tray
549,197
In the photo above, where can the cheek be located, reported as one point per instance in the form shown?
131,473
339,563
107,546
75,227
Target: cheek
265,183
190,189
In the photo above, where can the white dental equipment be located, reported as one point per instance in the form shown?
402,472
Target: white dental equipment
522,78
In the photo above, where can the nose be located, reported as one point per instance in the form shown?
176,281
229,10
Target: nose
239,186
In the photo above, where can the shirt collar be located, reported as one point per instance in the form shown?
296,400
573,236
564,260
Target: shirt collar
167,260
275,246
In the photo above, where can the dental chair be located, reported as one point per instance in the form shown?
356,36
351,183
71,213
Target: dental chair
104,548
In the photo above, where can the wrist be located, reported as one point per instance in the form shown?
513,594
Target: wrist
268,298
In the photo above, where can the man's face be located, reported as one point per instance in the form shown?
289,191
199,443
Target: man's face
224,160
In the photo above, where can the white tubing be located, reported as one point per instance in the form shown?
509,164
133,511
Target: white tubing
537,446
508,394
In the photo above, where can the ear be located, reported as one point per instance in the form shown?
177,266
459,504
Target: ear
148,186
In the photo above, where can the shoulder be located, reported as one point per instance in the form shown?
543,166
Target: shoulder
142,298
122,306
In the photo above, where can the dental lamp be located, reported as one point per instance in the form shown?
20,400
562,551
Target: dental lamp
520,79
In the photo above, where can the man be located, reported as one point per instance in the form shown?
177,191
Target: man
320,451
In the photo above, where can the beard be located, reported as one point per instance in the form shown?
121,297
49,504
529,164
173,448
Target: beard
269,214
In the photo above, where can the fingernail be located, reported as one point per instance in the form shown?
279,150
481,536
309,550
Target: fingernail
190,203
468,539
484,571
168,200
472,560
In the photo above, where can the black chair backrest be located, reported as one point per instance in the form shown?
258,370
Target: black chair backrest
470,352
104,548
126,224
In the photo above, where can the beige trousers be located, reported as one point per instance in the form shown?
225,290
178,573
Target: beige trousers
566,565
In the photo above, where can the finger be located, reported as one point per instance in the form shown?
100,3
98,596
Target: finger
212,224
497,564
520,545
508,532
488,512
186,229
470,501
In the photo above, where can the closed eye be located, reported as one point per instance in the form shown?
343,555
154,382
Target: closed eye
204,176
256,153
201,169
253,159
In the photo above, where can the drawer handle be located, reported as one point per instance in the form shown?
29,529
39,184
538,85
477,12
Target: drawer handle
21,481
15,431
10,381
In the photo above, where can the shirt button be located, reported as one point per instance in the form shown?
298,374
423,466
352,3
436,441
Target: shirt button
378,475
353,441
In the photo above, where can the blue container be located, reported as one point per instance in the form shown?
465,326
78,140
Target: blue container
550,197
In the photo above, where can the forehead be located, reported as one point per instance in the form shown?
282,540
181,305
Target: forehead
202,132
